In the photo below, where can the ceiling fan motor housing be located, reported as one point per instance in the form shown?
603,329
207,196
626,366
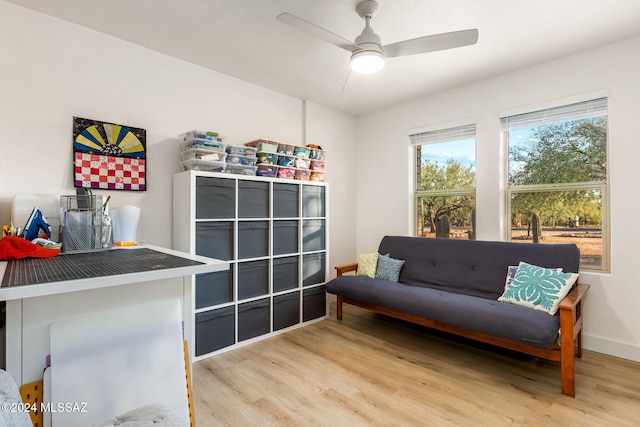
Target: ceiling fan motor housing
368,40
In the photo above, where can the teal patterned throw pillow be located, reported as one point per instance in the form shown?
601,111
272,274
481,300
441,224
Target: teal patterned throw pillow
389,268
538,288
511,274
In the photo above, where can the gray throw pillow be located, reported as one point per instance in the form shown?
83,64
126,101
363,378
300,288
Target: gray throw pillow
389,268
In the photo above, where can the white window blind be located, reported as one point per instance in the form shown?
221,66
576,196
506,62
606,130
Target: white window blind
457,133
578,111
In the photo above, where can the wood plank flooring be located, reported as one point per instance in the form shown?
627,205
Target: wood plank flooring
371,370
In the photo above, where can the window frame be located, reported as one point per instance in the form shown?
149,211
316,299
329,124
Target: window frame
602,186
442,133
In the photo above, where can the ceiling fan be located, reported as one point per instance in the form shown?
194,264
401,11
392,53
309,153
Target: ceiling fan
367,53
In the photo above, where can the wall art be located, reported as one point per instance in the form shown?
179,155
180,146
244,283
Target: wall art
109,156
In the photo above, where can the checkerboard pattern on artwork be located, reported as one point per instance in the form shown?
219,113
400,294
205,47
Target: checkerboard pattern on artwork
109,172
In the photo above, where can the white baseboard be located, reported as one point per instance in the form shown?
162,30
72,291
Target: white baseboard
612,348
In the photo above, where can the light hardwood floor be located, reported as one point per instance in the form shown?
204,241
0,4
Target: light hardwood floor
371,370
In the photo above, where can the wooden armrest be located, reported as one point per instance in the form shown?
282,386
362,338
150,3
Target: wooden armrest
341,269
574,297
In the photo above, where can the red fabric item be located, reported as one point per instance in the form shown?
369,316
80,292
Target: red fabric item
14,247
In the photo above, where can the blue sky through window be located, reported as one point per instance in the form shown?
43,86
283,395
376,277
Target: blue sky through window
464,151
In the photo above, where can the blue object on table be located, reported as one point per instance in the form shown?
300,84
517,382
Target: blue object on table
35,223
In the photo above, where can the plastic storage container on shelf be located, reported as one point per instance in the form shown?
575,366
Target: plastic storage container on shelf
241,169
288,173
285,160
301,152
241,150
315,154
234,159
203,144
302,174
317,165
316,176
301,163
286,149
267,158
203,165
198,153
264,145
202,134
267,170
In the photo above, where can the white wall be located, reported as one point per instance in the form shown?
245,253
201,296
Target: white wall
336,132
612,319
51,70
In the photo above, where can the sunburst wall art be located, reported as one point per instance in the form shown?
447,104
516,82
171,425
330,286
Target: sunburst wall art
109,156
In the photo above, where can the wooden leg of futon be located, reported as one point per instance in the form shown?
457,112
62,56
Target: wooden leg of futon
339,307
579,337
567,353
579,346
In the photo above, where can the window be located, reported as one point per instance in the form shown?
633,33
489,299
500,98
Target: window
445,186
557,178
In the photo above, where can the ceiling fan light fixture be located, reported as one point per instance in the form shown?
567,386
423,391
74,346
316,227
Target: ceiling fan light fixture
367,61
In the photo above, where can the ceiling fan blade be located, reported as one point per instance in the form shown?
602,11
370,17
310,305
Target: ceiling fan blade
316,31
431,43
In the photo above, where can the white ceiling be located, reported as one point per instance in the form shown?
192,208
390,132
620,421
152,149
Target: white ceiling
243,39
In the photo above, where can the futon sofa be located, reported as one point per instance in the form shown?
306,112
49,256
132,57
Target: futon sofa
510,295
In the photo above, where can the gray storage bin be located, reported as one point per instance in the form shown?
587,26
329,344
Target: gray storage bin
313,235
214,288
215,329
253,239
285,273
286,310
313,201
285,237
285,200
253,199
215,198
253,279
215,239
314,303
313,268
253,319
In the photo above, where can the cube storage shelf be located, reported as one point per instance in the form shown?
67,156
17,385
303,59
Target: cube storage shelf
274,233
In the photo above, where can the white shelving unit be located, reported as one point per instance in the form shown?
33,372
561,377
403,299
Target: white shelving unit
274,233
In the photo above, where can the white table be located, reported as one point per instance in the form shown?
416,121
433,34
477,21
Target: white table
32,308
